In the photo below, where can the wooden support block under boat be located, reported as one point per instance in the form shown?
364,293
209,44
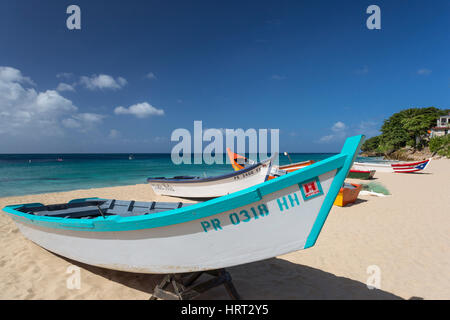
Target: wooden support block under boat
184,289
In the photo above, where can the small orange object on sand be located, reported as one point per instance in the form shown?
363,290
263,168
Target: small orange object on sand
348,194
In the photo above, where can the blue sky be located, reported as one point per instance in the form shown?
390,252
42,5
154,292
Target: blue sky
137,70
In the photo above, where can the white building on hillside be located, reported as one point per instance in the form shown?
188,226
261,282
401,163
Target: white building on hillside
442,128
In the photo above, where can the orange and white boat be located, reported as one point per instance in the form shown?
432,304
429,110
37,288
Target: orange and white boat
239,162
295,166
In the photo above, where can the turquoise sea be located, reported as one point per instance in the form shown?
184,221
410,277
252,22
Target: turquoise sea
22,174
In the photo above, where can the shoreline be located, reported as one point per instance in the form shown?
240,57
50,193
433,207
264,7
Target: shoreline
405,235
19,178
44,194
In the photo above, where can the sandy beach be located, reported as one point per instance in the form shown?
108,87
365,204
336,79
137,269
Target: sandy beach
405,236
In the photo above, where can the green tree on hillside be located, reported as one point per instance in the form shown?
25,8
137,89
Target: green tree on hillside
371,144
441,145
407,127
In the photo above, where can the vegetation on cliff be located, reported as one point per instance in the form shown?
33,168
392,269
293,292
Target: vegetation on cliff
408,128
441,145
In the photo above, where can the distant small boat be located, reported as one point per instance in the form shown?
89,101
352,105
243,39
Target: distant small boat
130,157
348,194
398,167
239,162
59,160
211,187
361,174
266,220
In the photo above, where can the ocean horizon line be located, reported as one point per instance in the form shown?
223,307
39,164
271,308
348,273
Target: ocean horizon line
128,153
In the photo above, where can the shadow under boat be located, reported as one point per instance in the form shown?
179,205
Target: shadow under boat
271,279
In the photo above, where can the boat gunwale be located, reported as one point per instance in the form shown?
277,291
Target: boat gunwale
362,171
370,164
392,165
287,166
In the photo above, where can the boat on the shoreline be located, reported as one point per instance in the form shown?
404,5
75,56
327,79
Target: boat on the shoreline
266,220
239,162
347,194
398,167
211,187
361,174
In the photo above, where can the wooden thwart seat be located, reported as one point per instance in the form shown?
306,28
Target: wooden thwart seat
87,209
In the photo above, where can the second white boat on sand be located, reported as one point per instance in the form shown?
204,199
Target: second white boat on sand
211,187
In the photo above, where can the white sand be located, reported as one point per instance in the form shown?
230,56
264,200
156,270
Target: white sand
406,235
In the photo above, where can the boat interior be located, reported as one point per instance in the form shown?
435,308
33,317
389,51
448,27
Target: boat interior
89,209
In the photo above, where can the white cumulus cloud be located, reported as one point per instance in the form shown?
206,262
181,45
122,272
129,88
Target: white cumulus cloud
277,77
339,130
27,112
83,121
113,133
64,75
338,126
140,110
9,74
65,87
102,81
327,138
150,76
424,72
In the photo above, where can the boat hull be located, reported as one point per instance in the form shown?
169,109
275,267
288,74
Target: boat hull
211,188
403,167
361,174
263,229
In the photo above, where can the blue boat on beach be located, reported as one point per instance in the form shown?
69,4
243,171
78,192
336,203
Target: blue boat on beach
263,221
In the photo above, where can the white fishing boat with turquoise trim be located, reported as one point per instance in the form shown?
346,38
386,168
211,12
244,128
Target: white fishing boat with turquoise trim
269,219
